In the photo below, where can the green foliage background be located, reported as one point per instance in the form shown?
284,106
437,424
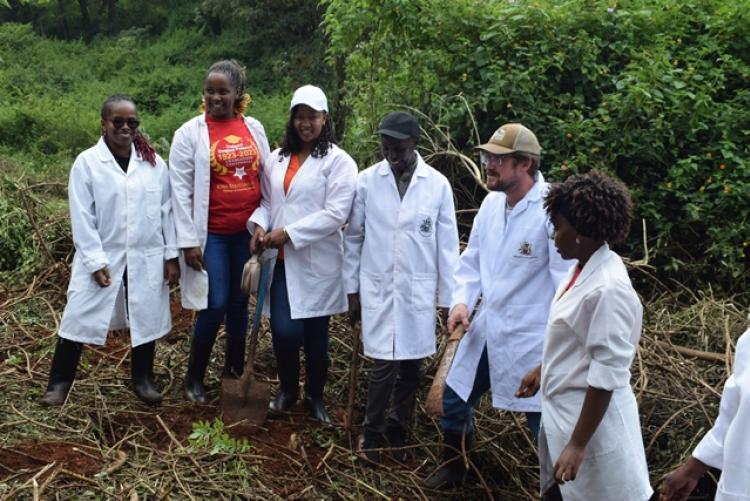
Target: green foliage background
654,91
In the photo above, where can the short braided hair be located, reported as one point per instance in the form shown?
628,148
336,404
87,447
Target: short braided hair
596,205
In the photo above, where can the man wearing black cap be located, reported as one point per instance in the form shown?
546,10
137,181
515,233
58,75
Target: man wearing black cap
513,265
400,254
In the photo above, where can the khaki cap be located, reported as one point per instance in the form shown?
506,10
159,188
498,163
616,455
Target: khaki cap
511,138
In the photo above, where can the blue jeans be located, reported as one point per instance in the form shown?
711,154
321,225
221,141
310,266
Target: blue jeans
459,414
224,258
289,335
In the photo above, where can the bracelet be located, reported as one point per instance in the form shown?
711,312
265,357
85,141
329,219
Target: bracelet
286,234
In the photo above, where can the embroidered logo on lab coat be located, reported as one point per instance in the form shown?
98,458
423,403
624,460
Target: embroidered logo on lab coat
525,248
425,227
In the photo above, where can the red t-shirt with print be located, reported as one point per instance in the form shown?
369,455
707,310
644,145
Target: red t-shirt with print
235,167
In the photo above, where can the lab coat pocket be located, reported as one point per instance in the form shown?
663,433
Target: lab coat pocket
606,438
530,246
425,224
527,317
153,202
423,291
81,279
370,290
155,268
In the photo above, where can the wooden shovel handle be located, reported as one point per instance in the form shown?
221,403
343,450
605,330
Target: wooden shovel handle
434,403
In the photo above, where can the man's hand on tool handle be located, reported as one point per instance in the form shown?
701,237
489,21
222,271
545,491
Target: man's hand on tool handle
459,315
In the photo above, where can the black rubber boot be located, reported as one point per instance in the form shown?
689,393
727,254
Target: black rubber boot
452,471
142,372
234,356
200,354
63,371
371,444
288,369
317,372
397,441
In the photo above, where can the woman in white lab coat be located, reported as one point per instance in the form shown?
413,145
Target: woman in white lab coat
590,440
215,165
727,445
308,189
121,217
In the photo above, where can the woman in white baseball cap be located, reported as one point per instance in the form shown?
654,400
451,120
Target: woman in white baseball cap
307,189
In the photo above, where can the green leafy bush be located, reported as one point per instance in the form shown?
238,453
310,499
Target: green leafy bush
654,91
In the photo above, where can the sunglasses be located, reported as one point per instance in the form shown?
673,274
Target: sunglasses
119,122
486,158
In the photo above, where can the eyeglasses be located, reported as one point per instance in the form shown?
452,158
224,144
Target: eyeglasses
119,122
486,158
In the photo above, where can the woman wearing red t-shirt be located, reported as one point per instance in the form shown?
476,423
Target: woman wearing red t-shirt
215,165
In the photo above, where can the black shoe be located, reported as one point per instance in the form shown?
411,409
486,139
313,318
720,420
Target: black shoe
142,372
287,366
200,354
397,441
234,356
452,471
368,448
63,371
282,402
316,373
318,411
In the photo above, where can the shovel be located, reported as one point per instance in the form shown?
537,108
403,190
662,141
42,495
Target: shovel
247,398
434,403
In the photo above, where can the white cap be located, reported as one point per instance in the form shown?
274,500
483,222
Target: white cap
311,96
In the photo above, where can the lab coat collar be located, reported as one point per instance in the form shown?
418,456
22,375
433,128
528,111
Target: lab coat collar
594,262
534,194
384,169
105,155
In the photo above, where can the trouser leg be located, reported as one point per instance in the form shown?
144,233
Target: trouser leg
458,414
286,337
383,375
236,310
403,399
315,342
534,420
458,429
216,259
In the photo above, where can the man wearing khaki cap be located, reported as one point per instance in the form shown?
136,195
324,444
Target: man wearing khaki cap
511,262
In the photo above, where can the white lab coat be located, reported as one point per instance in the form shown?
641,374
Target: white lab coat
592,335
119,220
727,445
313,212
516,269
400,256
190,176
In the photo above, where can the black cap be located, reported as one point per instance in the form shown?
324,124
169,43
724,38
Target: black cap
399,125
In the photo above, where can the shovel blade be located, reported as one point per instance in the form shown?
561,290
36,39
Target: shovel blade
250,406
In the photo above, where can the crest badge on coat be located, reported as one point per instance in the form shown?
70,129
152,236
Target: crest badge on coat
425,227
525,248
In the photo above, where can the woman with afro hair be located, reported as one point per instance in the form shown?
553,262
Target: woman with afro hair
590,441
